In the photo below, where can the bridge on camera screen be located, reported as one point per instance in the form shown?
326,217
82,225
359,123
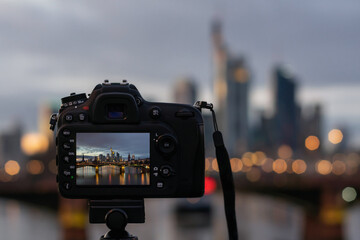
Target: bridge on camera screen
134,163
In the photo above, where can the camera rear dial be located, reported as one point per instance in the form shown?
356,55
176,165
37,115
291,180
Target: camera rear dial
166,144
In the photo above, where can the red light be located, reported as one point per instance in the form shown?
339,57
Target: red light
86,108
210,185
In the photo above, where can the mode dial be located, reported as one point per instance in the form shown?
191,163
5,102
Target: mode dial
73,99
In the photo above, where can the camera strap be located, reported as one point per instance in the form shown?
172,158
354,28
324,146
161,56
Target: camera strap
226,177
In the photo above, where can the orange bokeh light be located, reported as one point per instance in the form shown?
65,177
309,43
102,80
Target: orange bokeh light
323,167
236,164
35,167
279,166
299,166
268,165
335,136
253,175
12,167
285,151
214,165
33,143
207,164
338,167
312,143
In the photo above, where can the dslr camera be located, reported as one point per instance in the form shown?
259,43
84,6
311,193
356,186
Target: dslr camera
114,144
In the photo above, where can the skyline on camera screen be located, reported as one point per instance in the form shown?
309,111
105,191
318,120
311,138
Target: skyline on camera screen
113,159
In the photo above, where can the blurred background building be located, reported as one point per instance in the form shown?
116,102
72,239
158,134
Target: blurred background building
231,97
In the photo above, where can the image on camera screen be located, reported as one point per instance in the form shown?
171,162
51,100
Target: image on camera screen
112,159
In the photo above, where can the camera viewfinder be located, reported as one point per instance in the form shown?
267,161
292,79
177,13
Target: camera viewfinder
116,111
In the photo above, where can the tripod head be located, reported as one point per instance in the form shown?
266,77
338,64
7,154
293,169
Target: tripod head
117,214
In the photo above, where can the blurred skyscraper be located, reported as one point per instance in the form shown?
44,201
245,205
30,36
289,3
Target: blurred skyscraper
10,146
310,125
287,112
185,91
231,80
290,124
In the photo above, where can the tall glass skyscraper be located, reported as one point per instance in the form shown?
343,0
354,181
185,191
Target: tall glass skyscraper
231,80
286,110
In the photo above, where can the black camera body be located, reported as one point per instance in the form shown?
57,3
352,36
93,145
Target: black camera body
115,144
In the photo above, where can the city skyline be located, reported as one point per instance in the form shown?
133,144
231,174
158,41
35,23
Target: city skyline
94,144
320,42
106,154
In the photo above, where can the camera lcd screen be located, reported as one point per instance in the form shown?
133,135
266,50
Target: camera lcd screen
112,159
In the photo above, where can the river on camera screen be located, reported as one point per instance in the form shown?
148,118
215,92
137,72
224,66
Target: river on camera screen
112,175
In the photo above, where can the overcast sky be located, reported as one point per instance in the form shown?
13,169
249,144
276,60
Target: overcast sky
94,144
51,48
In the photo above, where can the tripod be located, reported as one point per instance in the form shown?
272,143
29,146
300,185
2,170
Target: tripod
117,214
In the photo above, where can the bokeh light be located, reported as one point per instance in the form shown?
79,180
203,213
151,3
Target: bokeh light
299,166
210,185
279,166
35,167
214,165
247,162
268,165
323,167
52,166
312,143
246,168
349,194
12,167
236,164
335,136
258,158
207,164
352,163
338,167
253,175
33,143
285,151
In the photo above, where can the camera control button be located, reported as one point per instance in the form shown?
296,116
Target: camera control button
138,100
82,117
155,112
66,132
184,114
69,117
160,184
66,173
66,159
166,144
67,185
166,171
66,145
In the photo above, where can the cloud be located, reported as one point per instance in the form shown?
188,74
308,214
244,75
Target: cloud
124,143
